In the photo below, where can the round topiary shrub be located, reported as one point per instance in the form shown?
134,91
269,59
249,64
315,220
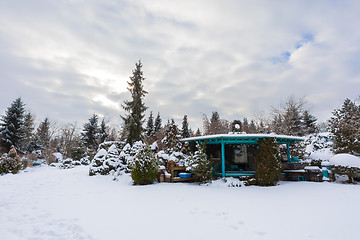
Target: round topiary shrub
144,166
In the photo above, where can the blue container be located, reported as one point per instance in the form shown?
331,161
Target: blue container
185,175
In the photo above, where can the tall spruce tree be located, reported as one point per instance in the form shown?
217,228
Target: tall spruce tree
185,132
157,125
90,132
136,107
150,129
345,126
12,125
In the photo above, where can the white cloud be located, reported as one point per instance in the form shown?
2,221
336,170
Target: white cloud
237,57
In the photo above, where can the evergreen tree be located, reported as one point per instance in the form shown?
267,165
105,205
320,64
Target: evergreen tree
43,134
157,125
150,129
245,125
12,125
135,107
215,125
144,167
103,132
28,143
201,166
268,163
172,141
10,163
309,123
197,133
185,132
90,132
345,126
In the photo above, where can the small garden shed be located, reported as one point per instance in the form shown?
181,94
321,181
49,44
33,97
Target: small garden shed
234,154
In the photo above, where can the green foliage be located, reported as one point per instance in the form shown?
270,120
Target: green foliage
150,130
10,163
345,127
90,132
157,124
171,140
185,132
12,125
43,134
268,163
201,165
136,107
144,166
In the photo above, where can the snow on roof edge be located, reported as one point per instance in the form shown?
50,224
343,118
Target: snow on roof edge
242,135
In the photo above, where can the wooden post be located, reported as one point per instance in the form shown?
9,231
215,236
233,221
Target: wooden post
223,159
288,152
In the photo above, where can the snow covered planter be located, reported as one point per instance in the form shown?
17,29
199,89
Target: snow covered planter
144,166
346,164
10,163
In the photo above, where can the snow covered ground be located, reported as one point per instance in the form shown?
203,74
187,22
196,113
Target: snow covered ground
48,203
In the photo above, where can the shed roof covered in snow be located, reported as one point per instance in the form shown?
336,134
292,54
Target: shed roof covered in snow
234,138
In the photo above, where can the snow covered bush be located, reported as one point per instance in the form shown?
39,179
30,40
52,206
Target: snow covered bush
346,164
268,163
318,147
108,160
10,163
200,165
144,166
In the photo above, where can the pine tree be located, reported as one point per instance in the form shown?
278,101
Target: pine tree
171,141
136,107
144,167
103,132
150,129
268,163
12,125
197,133
185,132
245,125
90,132
345,126
28,143
157,125
201,165
43,134
215,125
309,123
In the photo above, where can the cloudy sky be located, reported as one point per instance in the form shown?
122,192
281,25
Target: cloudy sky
69,59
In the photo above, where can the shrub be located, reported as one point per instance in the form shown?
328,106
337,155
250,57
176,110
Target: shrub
144,166
201,166
10,163
351,172
268,163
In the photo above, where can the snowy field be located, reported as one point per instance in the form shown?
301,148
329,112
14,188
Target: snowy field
48,203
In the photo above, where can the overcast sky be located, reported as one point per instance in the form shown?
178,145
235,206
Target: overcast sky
69,59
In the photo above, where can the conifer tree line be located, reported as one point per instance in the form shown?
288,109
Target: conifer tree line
18,127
